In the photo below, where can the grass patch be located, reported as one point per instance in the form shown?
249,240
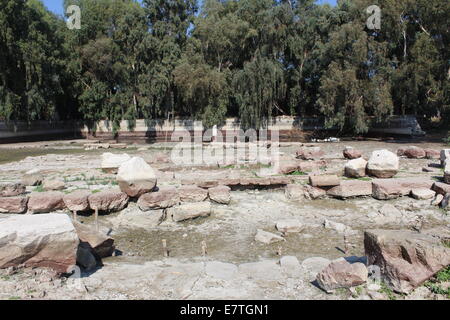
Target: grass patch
39,188
434,285
387,291
14,298
96,191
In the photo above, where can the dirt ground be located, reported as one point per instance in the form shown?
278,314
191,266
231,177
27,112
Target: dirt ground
236,266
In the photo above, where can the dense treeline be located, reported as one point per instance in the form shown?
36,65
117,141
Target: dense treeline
248,58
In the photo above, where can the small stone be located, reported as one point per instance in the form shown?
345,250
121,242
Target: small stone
422,194
351,153
294,192
12,189
162,199
356,168
192,194
437,200
53,184
267,237
310,153
336,226
77,201
189,211
45,202
342,274
324,181
15,205
289,226
414,153
220,194
109,201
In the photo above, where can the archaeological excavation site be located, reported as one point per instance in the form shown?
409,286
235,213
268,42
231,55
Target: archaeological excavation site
329,220
224,159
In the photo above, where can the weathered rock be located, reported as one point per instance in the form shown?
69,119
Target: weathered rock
385,189
136,177
289,226
77,201
13,205
287,167
356,168
86,257
383,164
280,181
206,184
134,218
447,173
445,203
401,152
415,153
338,227
432,154
109,200
32,178
310,153
445,155
255,182
267,237
164,198
324,181
45,202
437,200
314,193
189,211
100,243
441,188
220,194
423,194
47,240
342,274
294,192
351,189
53,184
193,193
310,166
228,182
12,189
351,153
111,162
406,259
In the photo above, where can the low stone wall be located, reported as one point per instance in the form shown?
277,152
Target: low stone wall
38,130
147,131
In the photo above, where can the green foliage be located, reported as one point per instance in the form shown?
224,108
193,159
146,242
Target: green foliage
298,173
434,285
39,188
252,59
387,291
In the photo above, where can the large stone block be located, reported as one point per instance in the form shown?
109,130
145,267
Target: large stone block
47,240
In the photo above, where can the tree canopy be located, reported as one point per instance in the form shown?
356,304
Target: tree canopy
251,59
